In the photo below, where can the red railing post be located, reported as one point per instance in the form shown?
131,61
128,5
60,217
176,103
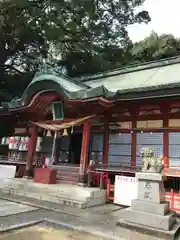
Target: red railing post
172,199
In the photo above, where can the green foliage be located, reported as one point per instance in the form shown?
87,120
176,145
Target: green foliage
31,29
156,47
104,59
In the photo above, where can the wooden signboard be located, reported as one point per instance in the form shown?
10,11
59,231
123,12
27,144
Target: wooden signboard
174,122
150,124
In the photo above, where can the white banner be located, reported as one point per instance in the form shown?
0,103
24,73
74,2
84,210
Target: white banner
125,190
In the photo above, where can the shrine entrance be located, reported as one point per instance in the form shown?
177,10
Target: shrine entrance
75,148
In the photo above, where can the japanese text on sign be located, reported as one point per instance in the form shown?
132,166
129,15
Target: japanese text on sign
147,192
126,179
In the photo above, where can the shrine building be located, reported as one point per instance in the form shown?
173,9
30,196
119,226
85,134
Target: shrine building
107,117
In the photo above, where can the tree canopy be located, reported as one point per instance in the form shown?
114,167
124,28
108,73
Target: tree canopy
156,47
153,47
81,36
32,29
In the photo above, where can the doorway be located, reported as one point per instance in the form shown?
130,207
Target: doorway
75,148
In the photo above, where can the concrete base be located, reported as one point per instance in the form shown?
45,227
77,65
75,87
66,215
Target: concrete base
65,194
173,234
149,220
153,208
149,211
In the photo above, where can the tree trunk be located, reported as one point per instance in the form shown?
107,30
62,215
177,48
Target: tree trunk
3,60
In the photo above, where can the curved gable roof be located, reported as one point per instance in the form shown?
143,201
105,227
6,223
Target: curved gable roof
147,80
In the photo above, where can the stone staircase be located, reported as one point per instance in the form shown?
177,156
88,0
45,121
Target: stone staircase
64,194
67,174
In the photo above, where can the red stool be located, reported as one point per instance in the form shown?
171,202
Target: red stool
95,178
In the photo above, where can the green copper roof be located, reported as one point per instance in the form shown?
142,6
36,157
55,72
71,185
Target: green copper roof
155,79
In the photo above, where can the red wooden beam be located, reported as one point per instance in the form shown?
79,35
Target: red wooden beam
84,150
31,151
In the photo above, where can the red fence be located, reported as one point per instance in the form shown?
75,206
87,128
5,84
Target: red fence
174,200
172,189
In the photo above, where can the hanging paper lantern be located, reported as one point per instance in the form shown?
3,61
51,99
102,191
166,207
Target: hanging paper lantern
7,140
39,144
11,143
16,141
3,141
21,144
25,145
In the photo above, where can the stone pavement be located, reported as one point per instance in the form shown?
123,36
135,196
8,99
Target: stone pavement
100,220
9,208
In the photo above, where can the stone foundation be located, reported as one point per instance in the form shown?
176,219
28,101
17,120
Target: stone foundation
149,210
65,194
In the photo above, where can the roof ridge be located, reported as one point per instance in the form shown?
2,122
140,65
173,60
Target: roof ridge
132,68
48,69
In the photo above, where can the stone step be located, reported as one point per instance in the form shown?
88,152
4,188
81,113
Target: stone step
59,173
65,181
66,194
54,189
68,177
62,200
63,195
67,173
67,169
72,176
67,200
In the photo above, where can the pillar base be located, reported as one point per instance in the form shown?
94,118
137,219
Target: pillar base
82,180
28,173
89,179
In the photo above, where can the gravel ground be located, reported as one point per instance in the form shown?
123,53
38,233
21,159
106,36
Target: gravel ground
102,223
41,233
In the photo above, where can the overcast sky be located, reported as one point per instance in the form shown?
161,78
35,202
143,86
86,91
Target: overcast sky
165,18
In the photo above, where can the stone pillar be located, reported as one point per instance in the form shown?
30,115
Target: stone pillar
149,211
84,152
31,152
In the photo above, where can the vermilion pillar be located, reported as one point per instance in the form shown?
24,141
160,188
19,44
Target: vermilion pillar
84,151
31,151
